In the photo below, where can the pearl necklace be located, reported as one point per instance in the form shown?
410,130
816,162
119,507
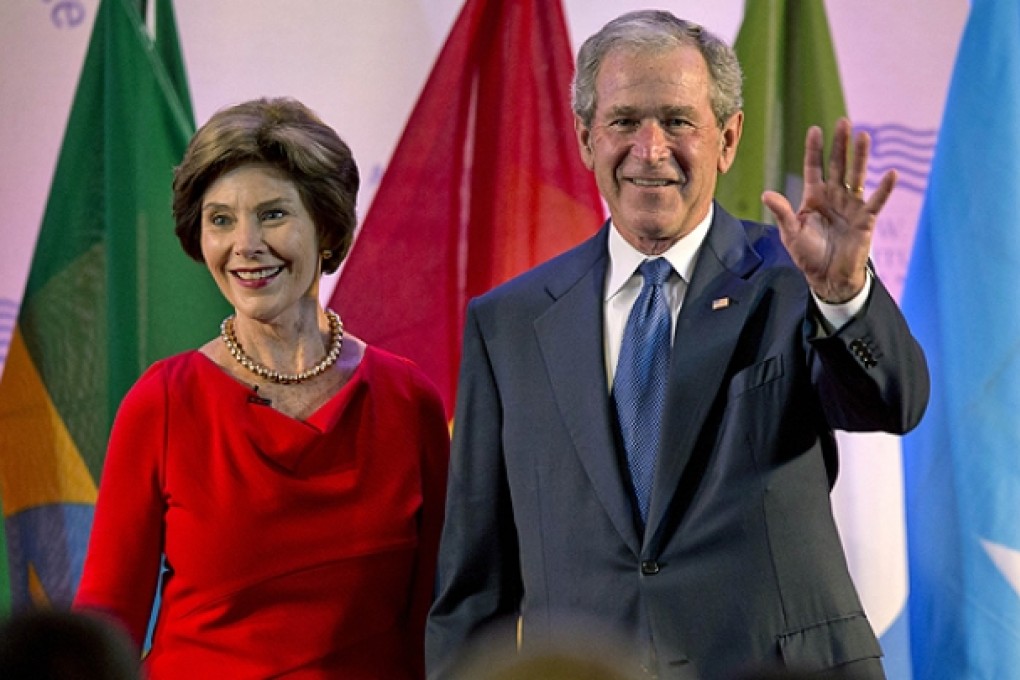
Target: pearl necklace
336,332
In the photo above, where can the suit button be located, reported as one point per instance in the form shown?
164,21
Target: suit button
649,567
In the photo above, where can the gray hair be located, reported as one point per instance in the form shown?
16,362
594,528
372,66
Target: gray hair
658,31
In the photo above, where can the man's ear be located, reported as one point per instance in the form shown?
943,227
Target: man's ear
730,141
584,142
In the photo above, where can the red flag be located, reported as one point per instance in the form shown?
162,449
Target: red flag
486,182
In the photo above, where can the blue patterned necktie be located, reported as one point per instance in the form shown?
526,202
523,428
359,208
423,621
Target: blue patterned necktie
639,388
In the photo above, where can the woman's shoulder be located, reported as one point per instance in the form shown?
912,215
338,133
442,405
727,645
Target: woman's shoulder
382,361
164,373
384,368
175,365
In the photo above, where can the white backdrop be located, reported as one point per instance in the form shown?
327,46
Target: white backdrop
361,63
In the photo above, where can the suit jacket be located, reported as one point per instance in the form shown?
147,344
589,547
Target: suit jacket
740,562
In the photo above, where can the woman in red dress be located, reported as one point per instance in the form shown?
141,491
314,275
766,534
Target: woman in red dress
288,479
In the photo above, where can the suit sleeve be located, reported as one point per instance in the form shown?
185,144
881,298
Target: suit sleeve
872,374
479,572
125,547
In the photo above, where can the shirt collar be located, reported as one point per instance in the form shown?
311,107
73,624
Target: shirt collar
624,259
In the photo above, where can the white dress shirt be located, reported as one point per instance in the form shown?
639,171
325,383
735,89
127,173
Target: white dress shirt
623,284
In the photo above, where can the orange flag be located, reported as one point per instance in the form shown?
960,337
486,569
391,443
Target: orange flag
485,182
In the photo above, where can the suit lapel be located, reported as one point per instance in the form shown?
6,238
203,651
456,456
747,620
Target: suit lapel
714,310
570,336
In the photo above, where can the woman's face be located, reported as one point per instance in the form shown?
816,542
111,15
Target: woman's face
259,242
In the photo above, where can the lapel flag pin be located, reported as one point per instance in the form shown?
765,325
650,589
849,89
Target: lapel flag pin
720,303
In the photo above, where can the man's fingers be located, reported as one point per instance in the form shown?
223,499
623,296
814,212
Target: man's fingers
813,156
837,158
859,169
781,209
877,200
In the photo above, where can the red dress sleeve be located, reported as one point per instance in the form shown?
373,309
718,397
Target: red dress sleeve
435,462
122,564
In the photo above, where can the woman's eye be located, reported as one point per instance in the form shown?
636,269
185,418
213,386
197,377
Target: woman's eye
273,214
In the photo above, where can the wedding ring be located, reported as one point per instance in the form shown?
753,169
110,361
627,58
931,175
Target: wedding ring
858,192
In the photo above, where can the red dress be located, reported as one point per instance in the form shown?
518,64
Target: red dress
302,549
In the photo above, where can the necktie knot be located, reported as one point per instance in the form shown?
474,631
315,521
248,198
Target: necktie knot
655,272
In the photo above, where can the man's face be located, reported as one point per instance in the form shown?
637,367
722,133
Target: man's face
654,143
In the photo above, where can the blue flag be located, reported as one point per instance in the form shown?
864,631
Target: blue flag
962,298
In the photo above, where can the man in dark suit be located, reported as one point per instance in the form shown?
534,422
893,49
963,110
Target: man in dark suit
717,551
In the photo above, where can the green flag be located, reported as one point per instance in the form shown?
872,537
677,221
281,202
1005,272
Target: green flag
791,82
109,291
168,47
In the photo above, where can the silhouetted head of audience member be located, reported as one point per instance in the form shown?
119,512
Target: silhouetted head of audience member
61,645
575,651
767,673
